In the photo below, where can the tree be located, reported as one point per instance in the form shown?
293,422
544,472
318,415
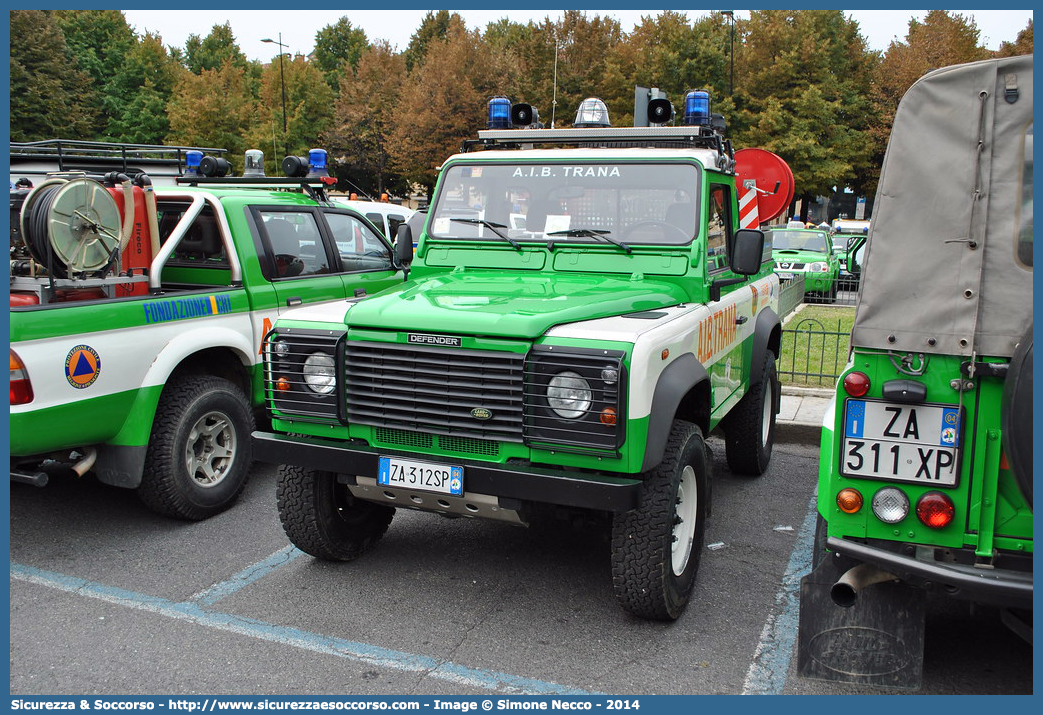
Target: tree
443,103
309,109
803,92
98,41
336,44
50,98
137,94
1021,46
212,109
669,53
434,26
214,50
363,121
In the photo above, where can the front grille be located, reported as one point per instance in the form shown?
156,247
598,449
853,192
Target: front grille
787,265
435,390
546,428
285,389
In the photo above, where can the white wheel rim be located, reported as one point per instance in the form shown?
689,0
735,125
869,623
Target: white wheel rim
766,416
210,450
686,509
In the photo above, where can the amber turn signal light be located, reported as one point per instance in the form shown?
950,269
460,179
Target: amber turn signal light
849,500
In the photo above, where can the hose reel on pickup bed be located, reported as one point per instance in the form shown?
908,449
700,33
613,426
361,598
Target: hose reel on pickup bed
72,226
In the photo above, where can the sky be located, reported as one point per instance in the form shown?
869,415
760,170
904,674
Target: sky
298,27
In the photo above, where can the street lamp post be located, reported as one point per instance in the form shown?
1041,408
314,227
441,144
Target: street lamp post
731,50
282,78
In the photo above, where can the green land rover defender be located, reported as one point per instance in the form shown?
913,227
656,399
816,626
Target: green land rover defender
582,310
925,482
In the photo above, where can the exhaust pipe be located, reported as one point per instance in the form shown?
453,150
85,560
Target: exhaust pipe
82,466
845,591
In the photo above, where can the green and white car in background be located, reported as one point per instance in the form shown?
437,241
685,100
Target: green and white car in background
925,480
809,253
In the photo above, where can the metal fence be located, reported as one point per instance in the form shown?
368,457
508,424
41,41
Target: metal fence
791,294
812,354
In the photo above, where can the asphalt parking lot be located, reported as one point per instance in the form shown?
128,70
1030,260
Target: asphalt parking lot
110,599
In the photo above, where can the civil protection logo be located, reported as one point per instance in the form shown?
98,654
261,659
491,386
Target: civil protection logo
82,366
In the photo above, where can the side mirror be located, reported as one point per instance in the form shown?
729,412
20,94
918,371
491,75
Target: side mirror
855,248
749,251
404,246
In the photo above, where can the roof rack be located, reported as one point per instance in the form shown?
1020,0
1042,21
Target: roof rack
315,186
609,137
70,154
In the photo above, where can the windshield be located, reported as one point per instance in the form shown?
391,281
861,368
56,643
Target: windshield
840,242
569,202
800,241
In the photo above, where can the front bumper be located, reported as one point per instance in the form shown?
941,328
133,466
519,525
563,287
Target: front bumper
523,481
1001,587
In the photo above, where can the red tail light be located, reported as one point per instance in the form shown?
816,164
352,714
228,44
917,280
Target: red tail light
856,384
21,388
935,510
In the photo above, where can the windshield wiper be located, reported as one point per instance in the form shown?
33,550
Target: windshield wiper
588,233
492,227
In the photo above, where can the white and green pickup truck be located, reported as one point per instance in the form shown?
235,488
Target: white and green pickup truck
137,319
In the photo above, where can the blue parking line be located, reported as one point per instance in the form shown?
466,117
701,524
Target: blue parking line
215,593
771,660
296,638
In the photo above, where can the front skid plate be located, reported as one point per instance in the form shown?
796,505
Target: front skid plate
877,641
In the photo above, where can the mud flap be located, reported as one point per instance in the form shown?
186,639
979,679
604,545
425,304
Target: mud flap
877,641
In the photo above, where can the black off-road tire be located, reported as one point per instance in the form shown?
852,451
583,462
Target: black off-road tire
212,417
645,573
749,429
323,519
832,295
818,547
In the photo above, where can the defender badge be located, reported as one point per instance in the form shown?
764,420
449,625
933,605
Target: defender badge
420,339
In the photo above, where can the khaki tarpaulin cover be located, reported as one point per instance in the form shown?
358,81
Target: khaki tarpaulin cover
942,262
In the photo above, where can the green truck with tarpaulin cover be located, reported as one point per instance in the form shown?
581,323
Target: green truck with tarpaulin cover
581,312
925,481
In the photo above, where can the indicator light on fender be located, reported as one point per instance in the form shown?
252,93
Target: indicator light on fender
608,416
856,384
849,500
282,384
935,510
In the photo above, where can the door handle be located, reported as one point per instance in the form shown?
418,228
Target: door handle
741,319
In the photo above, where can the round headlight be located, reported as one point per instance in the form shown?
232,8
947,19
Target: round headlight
890,505
818,267
319,373
282,348
569,395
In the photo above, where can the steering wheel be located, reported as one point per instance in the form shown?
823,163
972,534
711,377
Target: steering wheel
655,223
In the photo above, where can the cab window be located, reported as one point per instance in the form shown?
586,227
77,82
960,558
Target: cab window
377,219
295,242
718,228
359,246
